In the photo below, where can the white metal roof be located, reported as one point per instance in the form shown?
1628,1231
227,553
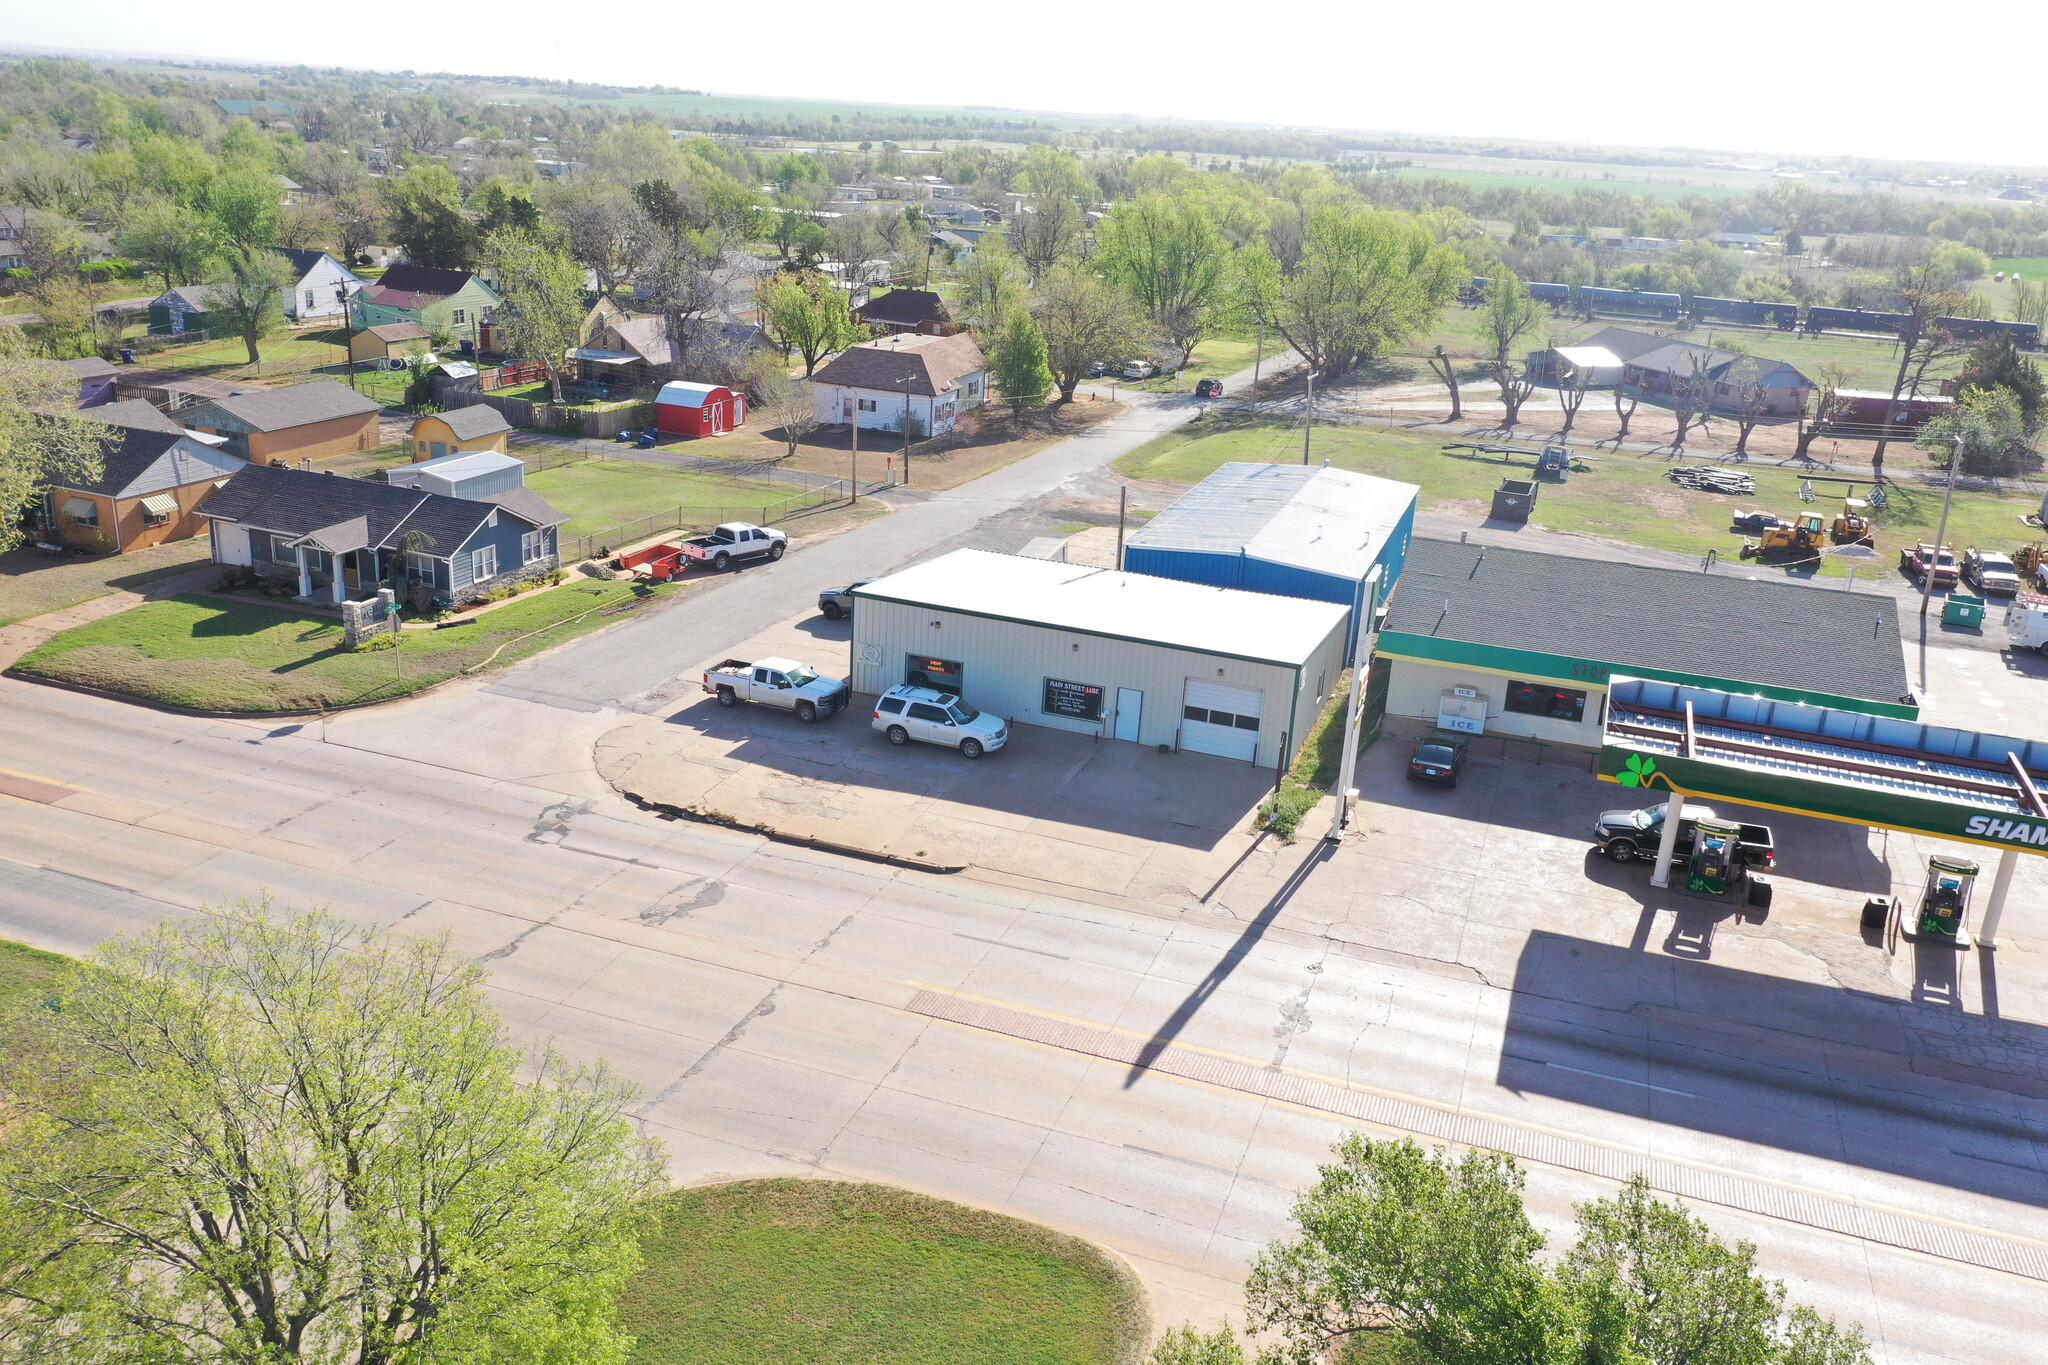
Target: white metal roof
1332,521
1129,606
682,393
1596,357
463,464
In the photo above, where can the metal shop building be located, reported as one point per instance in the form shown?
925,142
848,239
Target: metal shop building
1287,529
1491,641
1123,655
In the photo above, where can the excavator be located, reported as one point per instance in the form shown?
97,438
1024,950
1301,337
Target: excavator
1853,526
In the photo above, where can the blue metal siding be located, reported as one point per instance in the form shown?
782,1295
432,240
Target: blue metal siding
1188,566
1395,552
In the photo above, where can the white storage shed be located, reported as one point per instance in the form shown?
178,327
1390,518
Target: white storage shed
1124,655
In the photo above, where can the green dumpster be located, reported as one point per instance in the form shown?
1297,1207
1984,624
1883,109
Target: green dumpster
1963,610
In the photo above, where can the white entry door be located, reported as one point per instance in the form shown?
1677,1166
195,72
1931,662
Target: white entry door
1220,720
1130,705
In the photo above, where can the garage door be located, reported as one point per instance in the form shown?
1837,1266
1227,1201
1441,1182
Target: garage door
1220,720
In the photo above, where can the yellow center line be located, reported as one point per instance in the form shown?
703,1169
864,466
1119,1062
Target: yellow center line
38,777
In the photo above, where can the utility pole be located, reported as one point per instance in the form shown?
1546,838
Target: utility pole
853,430
1123,492
1258,357
906,428
1362,612
348,320
1308,413
1948,494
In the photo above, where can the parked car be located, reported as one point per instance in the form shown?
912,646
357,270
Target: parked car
735,542
904,713
2026,621
777,682
1208,388
1098,369
1915,561
838,602
1625,835
1140,369
1755,523
1990,572
1437,758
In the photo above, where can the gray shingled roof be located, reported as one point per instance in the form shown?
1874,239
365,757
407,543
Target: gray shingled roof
322,400
88,367
478,419
125,454
1711,625
132,412
523,502
296,502
904,308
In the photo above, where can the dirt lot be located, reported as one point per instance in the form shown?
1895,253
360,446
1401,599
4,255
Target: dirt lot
985,440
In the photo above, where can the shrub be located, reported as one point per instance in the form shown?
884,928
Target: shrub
388,640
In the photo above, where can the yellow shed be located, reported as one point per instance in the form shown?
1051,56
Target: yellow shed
393,340
480,427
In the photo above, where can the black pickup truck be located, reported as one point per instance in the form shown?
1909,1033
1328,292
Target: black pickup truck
1625,835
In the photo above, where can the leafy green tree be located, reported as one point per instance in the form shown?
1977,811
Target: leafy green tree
1367,280
259,1138
172,243
1084,319
427,221
1172,259
1511,314
543,291
808,315
245,294
243,204
988,287
1996,363
502,206
35,450
1019,366
1185,1346
1991,426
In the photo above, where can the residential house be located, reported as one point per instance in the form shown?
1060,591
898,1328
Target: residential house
1602,357
392,341
459,431
932,378
305,421
1780,391
95,380
15,221
319,283
153,476
957,244
907,310
180,309
453,302
626,351
347,536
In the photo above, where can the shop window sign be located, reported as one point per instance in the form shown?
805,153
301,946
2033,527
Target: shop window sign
1077,701
922,671
1541,699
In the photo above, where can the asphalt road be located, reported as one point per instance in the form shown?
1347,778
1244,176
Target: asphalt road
776,1004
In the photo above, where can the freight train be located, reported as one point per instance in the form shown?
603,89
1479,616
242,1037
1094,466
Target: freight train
1786,317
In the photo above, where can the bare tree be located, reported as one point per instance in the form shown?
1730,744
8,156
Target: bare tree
1571,384
608,231
1446,369
1045,232
793,408
1928,289
1692,395
358,219
1752,403
1625,400
1517,383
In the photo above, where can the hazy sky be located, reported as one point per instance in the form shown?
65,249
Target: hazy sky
1834,78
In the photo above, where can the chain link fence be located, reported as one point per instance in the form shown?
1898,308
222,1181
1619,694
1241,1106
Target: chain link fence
697,520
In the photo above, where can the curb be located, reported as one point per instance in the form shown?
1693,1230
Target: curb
704,817
172,708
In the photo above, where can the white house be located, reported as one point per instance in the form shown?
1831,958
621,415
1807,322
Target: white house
319,284
934,378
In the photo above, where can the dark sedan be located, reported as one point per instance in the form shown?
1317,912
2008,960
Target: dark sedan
1209,388
1437,759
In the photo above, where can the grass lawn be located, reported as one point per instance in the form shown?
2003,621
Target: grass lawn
1625,498
219,655
286,350
769,1272
600,494
1217,358
2027,267
985,440
31,584
26,974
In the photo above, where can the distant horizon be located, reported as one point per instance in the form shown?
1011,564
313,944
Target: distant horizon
1770,105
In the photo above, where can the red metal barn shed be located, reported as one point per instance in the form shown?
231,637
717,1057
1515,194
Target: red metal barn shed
688,409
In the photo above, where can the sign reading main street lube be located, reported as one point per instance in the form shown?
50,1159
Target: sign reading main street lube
1806,760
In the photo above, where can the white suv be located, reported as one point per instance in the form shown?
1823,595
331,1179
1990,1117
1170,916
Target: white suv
905,713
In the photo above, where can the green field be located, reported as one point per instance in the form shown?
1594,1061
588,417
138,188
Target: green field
774,1272
600,494
2027,267
26,974
1626,498
1218,357
214,654
286,352
1568,183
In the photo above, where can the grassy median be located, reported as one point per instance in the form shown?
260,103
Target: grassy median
766,1272
214,654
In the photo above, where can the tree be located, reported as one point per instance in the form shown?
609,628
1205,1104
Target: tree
1625,400
1446,369
50,250
427,222
1367,280
243,204
543,291
1434,1249
1992,429
806,314
502,206
1510,315
37,450
1172,259
258,1137
246,294
1996,363
1019,368
1692,395
1927,289
1571,382
358,218
793,407
989,286
1185,1346
608,231
1084,320
1752,401
170,242
1043,232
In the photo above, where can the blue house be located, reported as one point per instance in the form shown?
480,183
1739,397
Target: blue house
343,538
1285,529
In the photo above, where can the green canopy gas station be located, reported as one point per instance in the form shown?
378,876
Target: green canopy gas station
1850,766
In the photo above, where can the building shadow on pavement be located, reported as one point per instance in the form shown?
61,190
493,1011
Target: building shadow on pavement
1915,1088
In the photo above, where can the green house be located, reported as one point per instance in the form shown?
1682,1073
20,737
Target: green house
453,302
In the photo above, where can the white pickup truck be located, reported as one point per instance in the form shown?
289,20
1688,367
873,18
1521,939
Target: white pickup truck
733,542
777,682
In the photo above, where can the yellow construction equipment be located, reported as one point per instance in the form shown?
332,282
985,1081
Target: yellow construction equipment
1853,526
2027,559
1803,537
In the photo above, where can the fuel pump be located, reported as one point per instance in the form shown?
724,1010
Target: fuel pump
1713,864
1945,903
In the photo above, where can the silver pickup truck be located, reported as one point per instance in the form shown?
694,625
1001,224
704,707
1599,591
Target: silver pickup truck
777,682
